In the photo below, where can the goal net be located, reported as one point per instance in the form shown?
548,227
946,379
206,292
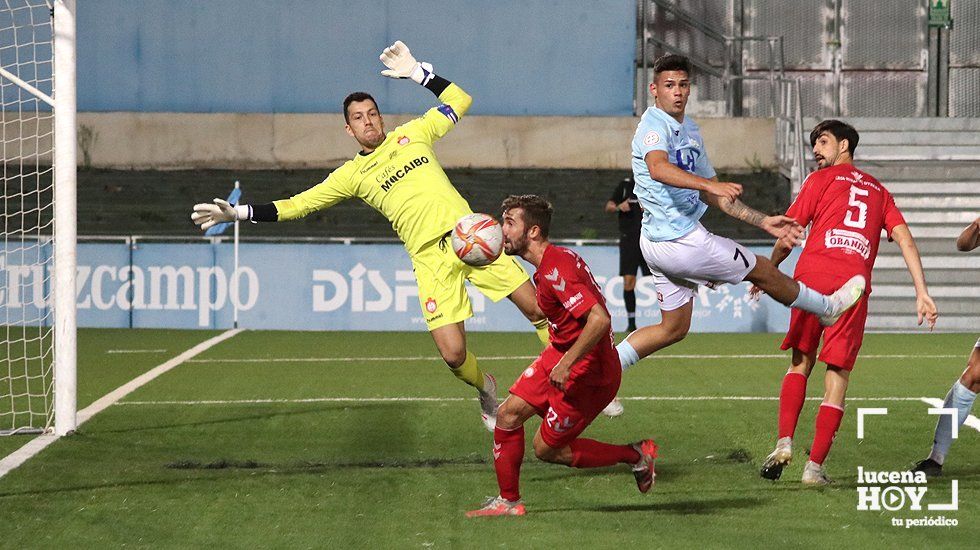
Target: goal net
30,310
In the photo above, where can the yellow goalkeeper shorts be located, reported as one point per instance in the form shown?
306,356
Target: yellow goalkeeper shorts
441,278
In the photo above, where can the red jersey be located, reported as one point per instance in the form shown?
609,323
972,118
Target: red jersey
566,291
848,209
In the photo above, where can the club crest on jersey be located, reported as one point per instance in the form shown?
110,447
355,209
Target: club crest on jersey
651,138
430,305
404,140
528,372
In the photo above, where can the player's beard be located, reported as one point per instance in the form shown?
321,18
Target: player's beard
823,162
372,143
516,247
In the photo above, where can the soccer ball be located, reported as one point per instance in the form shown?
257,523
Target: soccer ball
477,239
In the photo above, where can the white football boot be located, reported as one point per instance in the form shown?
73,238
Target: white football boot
814,475
772,468
613,409
844,299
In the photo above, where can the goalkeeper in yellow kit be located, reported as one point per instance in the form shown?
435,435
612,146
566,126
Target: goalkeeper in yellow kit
397,174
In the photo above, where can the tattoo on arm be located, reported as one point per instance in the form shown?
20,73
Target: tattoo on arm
739,210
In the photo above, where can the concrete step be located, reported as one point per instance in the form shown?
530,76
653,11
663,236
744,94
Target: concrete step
948,232
949,323
944,138
943,262
866,152
966,292
946,306
902,277
933,188
907,124
922,170
958,218
942,202
927,246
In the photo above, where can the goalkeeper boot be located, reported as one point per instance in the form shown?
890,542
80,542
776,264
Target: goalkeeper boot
844,299
613,409
488,402
498,506
643,470
772,468
814,475
930,467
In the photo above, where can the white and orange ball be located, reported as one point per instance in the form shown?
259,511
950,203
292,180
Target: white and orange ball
477,239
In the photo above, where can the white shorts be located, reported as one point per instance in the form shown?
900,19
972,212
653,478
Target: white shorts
698,258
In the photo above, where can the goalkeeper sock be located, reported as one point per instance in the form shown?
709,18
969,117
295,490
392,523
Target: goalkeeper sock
627,355
812,301
508,453
589,453
541,327
828,422
791,398
960,398
469,372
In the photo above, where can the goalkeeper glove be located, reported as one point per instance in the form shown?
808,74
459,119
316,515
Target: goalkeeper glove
207,215
401,64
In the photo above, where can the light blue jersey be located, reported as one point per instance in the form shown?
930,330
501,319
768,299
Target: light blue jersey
669,212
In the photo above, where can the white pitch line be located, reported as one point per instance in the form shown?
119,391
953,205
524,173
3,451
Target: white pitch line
38,444
457,399
136,351
526,357
970,421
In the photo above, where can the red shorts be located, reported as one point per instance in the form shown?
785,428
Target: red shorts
841,341
566,413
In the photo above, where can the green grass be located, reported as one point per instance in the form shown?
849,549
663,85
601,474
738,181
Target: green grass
380,474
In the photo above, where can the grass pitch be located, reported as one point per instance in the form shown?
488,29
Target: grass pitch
364,440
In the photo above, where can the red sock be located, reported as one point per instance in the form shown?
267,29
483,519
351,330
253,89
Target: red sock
589,453
828,421
791,398
508,453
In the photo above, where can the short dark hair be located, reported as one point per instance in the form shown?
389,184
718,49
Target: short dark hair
671,62
840,130
357,96
537,211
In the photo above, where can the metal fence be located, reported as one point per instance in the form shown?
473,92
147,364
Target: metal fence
852,58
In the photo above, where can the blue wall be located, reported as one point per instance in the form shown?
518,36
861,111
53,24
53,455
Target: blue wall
515,57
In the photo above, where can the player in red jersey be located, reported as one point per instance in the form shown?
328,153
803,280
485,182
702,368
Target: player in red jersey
572,380
847,209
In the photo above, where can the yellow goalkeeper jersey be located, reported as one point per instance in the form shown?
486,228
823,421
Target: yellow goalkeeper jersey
401,179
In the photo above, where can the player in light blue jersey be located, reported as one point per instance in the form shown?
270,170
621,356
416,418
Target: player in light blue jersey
675,184
964,391
671,211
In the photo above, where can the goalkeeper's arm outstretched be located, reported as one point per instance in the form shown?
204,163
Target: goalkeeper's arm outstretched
398,174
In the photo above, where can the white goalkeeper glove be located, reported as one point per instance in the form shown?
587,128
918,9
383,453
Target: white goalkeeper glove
401,64
206,215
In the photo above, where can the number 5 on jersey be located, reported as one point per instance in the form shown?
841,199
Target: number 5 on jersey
862,209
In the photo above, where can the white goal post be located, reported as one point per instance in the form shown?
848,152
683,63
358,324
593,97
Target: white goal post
38,227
